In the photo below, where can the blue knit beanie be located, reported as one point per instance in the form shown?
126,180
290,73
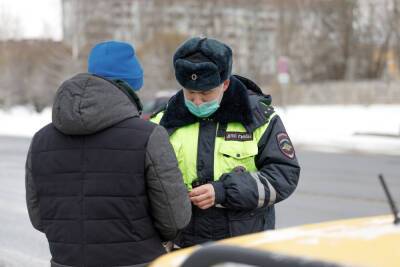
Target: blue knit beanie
116,61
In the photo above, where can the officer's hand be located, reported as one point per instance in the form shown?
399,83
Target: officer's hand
203,196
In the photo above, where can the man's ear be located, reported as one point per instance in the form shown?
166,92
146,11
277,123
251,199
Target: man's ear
226,85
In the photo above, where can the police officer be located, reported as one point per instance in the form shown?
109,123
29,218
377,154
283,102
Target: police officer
235,155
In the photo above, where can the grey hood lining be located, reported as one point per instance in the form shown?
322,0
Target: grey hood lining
86,104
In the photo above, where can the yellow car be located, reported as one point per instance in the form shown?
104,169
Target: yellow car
364,242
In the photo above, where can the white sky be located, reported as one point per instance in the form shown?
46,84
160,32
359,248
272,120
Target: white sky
37,18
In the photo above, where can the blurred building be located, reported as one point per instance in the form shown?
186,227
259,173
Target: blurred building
31,71
249,27
86,21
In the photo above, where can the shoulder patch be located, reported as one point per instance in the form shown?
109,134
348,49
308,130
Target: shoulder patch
285,145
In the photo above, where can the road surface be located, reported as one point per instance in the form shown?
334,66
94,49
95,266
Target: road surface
332,186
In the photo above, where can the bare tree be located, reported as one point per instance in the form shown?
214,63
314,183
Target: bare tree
317,36
32,71
156,57
376,34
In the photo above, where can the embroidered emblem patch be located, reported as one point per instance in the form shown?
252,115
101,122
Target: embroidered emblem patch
285,145
238,136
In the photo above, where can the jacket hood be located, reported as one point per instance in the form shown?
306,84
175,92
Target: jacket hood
86,104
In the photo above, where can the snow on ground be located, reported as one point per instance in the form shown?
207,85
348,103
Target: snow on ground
322,128
23,121
345,128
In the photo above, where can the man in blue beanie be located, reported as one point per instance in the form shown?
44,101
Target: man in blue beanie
116,61
101,183
235,155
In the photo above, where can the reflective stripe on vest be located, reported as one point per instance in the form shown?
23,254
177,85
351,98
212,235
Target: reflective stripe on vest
227,154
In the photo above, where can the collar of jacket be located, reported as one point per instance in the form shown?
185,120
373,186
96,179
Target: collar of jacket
236,106
128,91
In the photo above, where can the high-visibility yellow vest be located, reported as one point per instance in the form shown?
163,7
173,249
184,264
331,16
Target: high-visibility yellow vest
227,154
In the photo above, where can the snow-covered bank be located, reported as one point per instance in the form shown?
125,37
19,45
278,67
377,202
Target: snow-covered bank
23,121
13,258
342,128
324,128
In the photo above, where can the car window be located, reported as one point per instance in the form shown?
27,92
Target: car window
148,106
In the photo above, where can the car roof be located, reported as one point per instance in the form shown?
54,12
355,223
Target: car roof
371,241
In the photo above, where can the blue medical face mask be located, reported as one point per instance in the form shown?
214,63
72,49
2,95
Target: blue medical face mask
204,110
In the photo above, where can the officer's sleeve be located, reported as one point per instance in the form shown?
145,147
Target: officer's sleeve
32,200
157,116
277,176
169,201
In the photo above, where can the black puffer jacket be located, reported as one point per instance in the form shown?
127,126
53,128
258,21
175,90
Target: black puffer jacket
101,183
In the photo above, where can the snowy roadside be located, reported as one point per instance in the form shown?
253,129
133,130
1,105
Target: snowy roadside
320,128
345,128
23,121
13,258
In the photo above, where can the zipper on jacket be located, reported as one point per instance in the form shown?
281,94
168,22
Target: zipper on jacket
82,198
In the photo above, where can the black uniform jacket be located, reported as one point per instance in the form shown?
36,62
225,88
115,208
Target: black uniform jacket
244,200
